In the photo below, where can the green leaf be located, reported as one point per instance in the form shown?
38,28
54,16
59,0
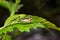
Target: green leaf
39,21
18,7
6,37
12,7
0,37
13,18
17,1
6,4
6,29
21,27
25,22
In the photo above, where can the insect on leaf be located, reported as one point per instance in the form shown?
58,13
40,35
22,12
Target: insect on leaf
28,23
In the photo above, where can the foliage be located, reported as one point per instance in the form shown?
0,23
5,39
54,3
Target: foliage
22,22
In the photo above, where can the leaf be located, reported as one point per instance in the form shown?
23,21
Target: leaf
7,29
13,18
49,24
6,37
39,21
6,4
33,22
0,37
18,7
17,1
12,7
20,27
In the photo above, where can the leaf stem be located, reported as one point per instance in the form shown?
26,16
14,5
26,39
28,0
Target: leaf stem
12,13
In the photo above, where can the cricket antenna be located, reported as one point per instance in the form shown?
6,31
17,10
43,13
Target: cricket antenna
43,4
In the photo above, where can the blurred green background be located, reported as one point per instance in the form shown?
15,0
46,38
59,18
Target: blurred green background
48,9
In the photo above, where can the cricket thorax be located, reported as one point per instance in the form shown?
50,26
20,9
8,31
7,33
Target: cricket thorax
27,19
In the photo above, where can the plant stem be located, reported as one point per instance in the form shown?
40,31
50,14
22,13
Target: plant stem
12,13
14,10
